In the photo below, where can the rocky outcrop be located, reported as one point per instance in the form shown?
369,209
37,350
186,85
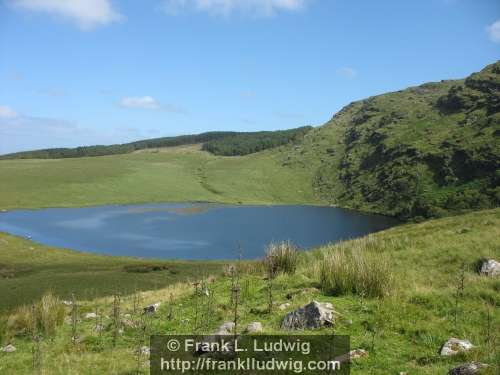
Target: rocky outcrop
467,369
311,316
490,267
454,346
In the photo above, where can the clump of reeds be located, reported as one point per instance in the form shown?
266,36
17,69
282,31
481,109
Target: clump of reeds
282,257
46,315
356,271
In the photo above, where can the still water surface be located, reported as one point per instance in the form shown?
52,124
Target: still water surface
188,231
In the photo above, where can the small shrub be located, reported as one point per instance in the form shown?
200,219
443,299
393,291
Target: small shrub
283,257
345,271
48,314
145,268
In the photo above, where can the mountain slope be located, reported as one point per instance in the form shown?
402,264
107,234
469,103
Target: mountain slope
416,152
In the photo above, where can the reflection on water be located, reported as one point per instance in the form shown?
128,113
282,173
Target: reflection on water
188,231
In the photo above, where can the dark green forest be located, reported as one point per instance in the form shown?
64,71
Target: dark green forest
248,143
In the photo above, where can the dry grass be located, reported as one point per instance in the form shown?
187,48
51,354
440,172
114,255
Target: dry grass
45,316
282,258
360,268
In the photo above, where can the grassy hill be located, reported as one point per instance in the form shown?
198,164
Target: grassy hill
218,143
402,329
418,152
177,174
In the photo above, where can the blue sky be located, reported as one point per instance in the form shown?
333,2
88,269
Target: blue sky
80,72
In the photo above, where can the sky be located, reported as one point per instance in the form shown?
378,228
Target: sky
84,72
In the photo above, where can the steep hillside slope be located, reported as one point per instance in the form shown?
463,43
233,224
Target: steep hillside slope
416,152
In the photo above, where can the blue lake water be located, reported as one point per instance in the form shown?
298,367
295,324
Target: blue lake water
188,231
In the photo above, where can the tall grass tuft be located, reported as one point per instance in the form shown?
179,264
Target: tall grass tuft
46,315
344,271
283,257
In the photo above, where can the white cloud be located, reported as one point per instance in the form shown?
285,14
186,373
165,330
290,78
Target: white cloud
347,72
7,112
225,7
148,102
144,102
87,14
494,31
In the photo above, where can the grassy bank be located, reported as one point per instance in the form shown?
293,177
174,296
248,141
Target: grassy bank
169,175
28,270
402,326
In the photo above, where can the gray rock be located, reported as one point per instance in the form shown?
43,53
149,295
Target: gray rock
8,349
284,306
352,355
311,316
490,267
99,328
226,328
254,327
467,369
454,346
90,315
151,309
144,350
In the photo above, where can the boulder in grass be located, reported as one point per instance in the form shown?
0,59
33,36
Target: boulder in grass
454,346
352,355
254,327
8,349
311,316
151,309
471,368
226,328
90,315
284,306
490,267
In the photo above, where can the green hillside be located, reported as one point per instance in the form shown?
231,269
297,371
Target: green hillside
218,143
416,152
176,174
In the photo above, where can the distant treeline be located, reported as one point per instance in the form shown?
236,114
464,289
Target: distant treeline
248,143
219,143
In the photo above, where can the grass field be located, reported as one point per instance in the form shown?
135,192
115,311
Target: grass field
171,175
28,270
402,331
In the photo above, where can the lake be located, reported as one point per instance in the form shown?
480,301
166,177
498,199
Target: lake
188,231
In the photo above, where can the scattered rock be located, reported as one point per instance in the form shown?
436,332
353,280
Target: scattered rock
127,323
128,316
90,315
144,350
151,309
454,346
490,267
226,328
284,306
313,315
467,369
8,349
99,328
353,354
254,327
